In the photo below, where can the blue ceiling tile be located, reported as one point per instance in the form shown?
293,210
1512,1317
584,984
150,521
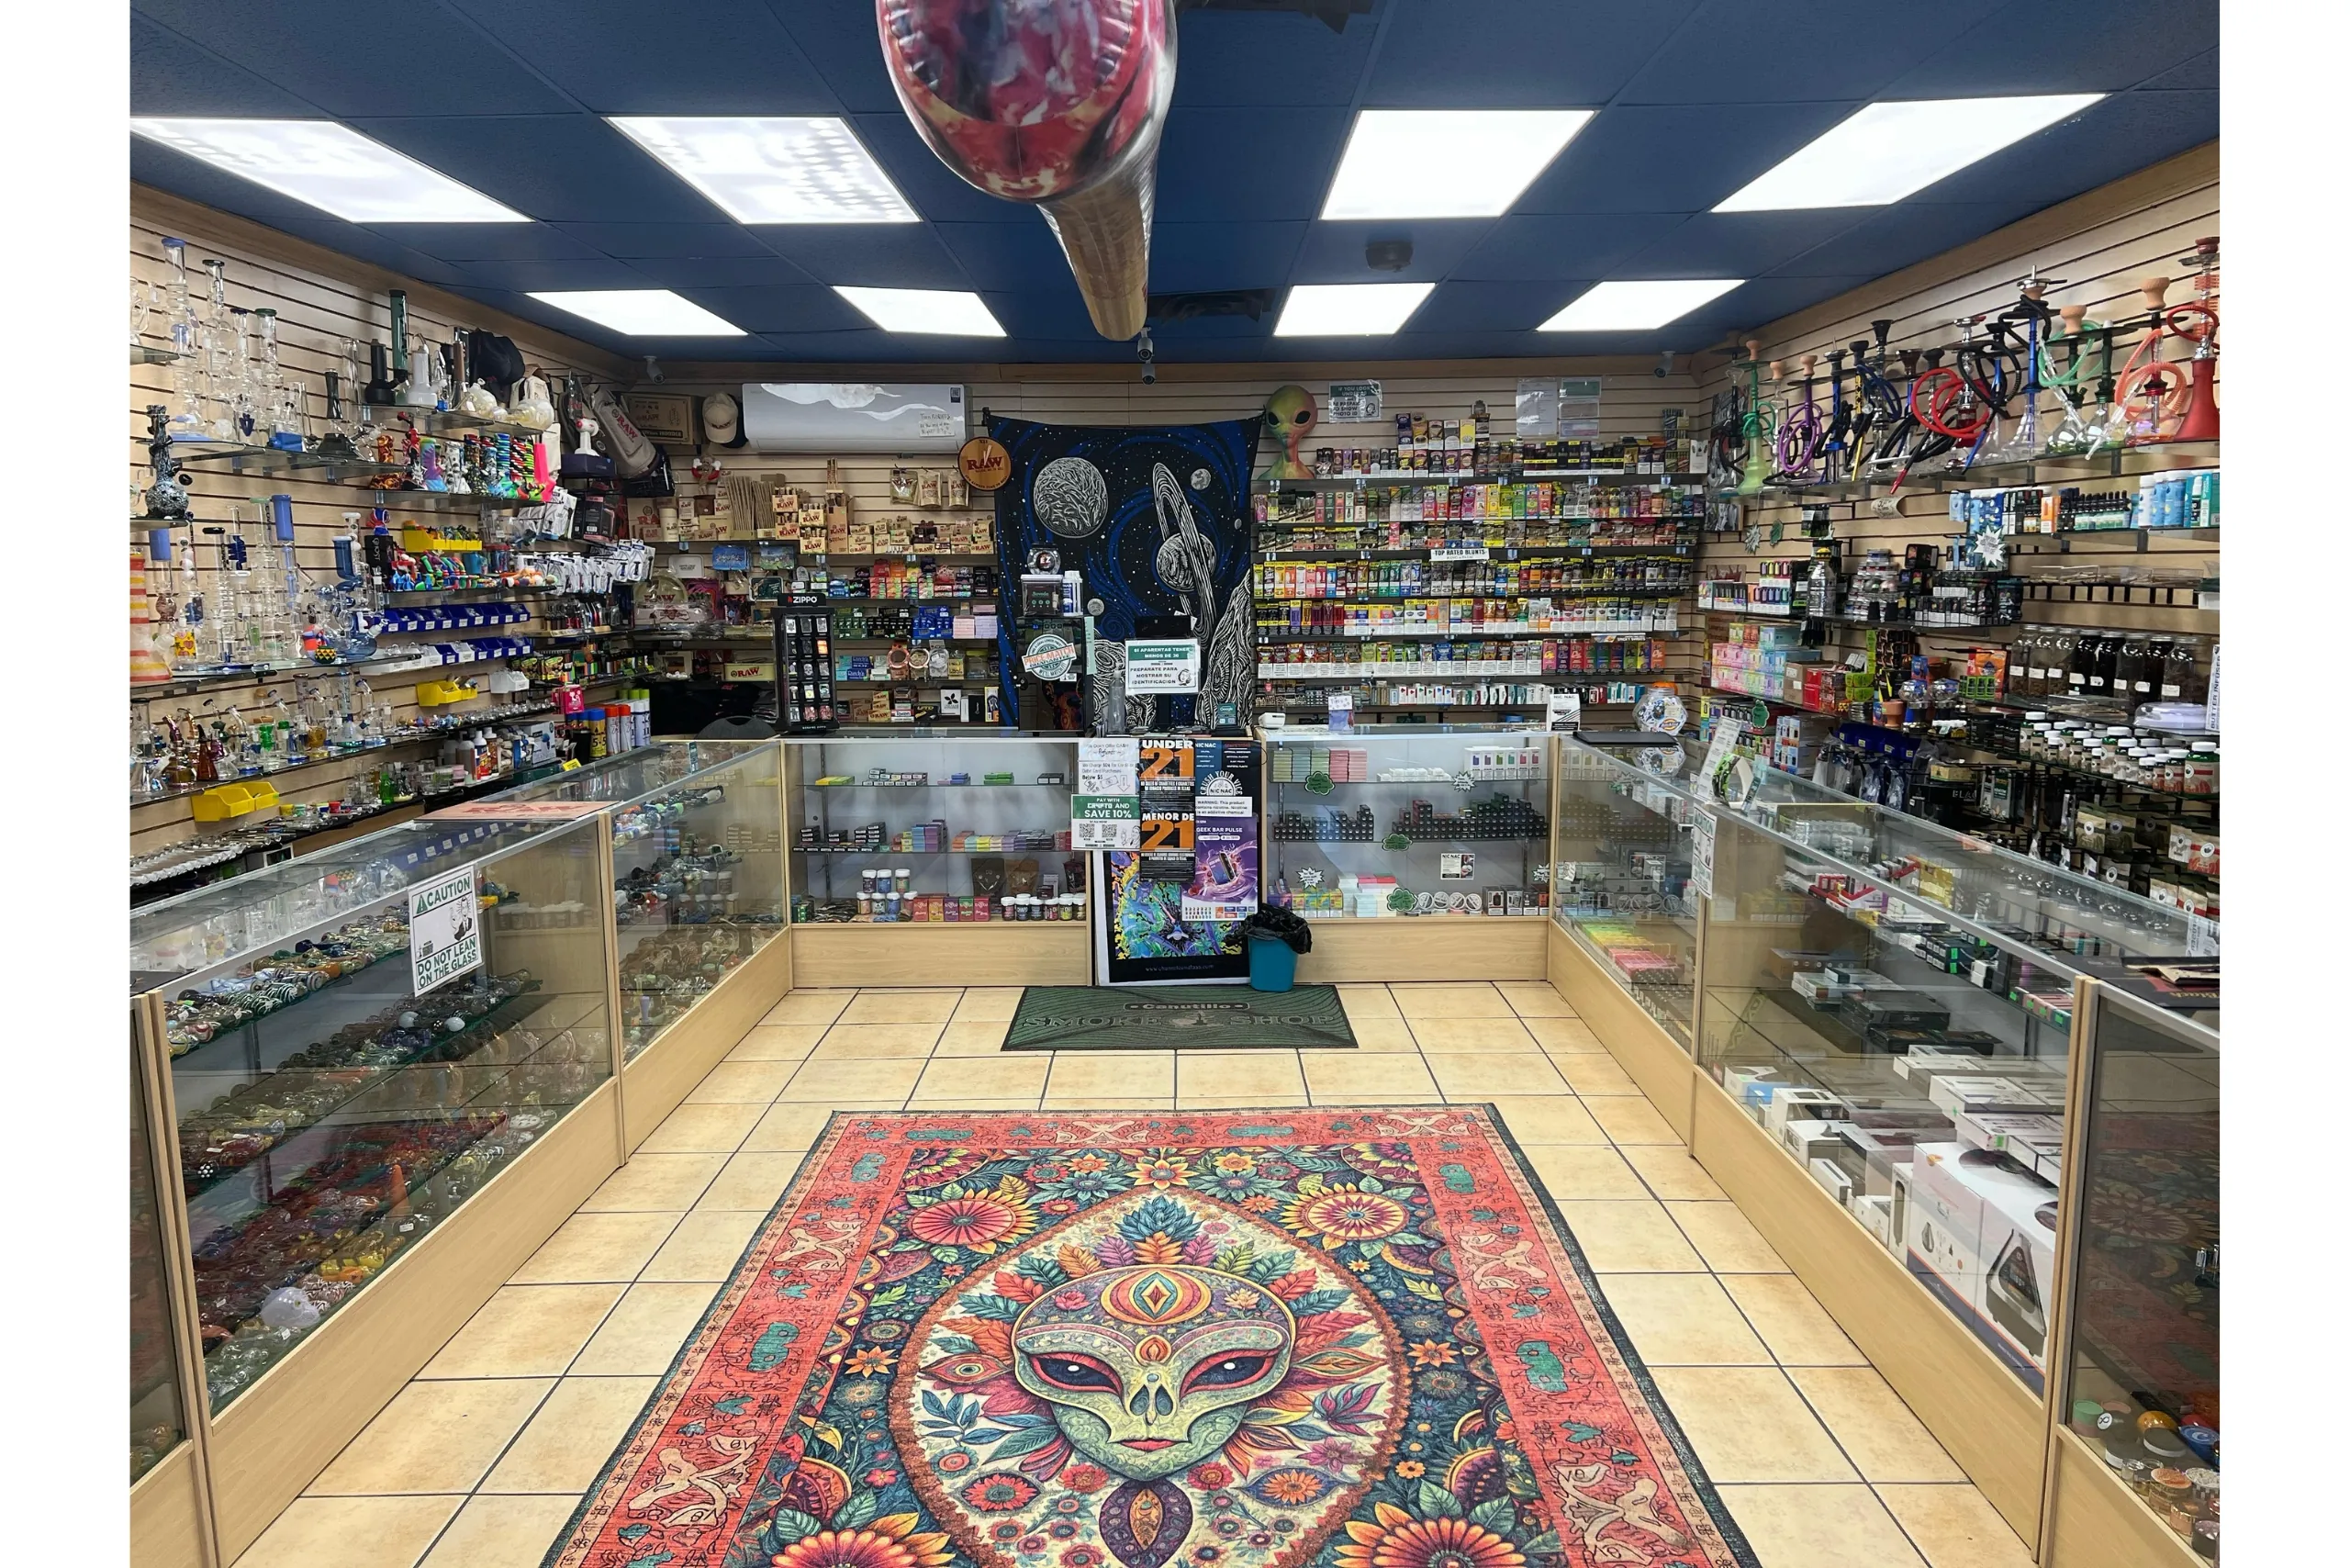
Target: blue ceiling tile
1020,255
2198,74
1240,59
878,255
599,272
1439,55
628,241
1333,253
800,307
685,272
844,42
1206,256
1894,237
1541,248
489,241
1032,314
557,168
1491,307
2081,46
1764,299
934,190
1737,244
2104,142
430,60
1218,165
175,76
1673,156
1791,51
702,57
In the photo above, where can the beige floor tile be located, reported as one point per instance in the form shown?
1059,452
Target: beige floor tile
706,1246
701,1127
645,1331
1237,1074
808,1007
594,1246
656,1181
1383,1033
1546,1118
1819,1527
1726,1239
501,1532
1670,1174
902,1007
868,1042
1593,1072
1475,1000
778,1042
1338,1078
742,1084
1363,1001
351,1532
1582,1170
1109,1103
1535,999
1482,1076
1682,1320
1241,1102
881,1083
1955,1527
1630,1118
988,1004
433,1437
974,1037
1875,1429
973,1106
526,1331
751,1181
1477,1034
1565,1036
791,1126
1094,1074
1622,1235
1796,1327
1749,1424
951,1079
571,1436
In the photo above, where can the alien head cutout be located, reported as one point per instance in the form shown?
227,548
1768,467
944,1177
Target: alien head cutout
1290,414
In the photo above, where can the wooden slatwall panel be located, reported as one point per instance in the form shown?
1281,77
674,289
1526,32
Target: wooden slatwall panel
320,299
2101,244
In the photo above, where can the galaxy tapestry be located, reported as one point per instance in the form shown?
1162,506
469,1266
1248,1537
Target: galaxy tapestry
1157,521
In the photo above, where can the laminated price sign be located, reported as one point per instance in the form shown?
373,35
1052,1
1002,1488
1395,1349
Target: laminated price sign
1162,666
443,930
1106,810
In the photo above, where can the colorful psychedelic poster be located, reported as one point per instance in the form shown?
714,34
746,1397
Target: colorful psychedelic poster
1224,884
1149,932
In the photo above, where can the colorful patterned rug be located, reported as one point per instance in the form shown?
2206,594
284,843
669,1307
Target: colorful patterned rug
1101,1340
1178,1017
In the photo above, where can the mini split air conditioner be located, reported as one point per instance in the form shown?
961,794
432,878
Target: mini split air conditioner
840,417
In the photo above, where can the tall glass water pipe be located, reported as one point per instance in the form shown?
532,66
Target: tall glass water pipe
220,348
279,404
180,325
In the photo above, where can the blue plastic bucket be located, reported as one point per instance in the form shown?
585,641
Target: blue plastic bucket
1273,963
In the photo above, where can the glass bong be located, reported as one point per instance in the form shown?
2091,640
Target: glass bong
278,403
179,316
344,389
218,338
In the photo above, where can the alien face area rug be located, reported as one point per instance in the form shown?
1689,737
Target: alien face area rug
1345,1338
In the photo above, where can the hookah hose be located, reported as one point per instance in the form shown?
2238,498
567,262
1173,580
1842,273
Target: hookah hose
1800,433
2167,393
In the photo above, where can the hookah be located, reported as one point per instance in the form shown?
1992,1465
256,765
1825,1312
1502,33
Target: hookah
2152,390
1800,433
1833,440
2023,442
2149,390
1945,401
1756,426
1882,414
2074,434
2105,434
2202,419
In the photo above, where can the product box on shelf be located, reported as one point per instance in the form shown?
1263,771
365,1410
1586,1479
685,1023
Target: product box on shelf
1996,1252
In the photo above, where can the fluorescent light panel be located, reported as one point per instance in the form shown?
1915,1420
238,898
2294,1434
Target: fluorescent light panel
799,170
1887,150
331,166
641,312
1635,305
945,312
1348,310
1445,163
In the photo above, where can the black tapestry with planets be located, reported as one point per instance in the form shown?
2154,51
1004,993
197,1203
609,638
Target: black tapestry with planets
1156,522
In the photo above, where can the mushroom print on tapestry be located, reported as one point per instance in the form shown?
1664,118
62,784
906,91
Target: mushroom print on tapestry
1349,1339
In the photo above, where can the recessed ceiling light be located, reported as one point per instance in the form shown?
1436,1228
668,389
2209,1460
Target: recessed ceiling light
1633,306
331,166
641,312
1446,162
1348,310
949,312
801,170
1887,150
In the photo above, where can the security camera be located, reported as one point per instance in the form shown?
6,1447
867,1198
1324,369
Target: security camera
653,369
1149,357
1664,365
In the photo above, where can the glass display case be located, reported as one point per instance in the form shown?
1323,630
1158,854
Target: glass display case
2142,1385
697,867
958,830
1408,823
158,1424
1621,853
331,1110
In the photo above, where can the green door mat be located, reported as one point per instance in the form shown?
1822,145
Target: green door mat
1178,1017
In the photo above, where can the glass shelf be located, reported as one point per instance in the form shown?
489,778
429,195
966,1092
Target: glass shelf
1510,475
2072,470
240,458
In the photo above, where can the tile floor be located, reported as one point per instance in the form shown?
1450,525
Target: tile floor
479,1461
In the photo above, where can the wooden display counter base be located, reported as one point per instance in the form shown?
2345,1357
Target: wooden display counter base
1653,1059
1991,1424
167,1528
2097,1522
657,1079
1426,948
1018,952
276,1438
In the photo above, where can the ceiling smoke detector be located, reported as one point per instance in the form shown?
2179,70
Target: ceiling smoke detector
1387,255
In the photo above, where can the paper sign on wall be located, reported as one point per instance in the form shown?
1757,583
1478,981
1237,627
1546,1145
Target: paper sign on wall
1352,402
1701,853
1166,666
1579,408
1106,812
1562,711
443,930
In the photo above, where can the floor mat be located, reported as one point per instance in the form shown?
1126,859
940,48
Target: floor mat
1157,1339
1178,1017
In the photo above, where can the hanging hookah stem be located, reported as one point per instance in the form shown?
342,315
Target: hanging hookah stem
1840,419
2200,323
1757,446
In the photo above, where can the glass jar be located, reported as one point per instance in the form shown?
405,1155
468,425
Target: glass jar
2201,774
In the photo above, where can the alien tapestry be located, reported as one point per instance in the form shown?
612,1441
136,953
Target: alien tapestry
1155,520
1349,1339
